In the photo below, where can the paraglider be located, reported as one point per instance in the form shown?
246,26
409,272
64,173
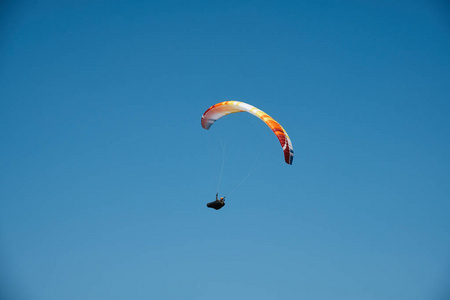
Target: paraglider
222,109
218,204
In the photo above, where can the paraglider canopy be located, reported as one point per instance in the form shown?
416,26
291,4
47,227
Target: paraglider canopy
222,109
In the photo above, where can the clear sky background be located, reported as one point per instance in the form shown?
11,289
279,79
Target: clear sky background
105,169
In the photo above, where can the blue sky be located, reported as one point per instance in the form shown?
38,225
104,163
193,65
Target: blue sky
105,169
